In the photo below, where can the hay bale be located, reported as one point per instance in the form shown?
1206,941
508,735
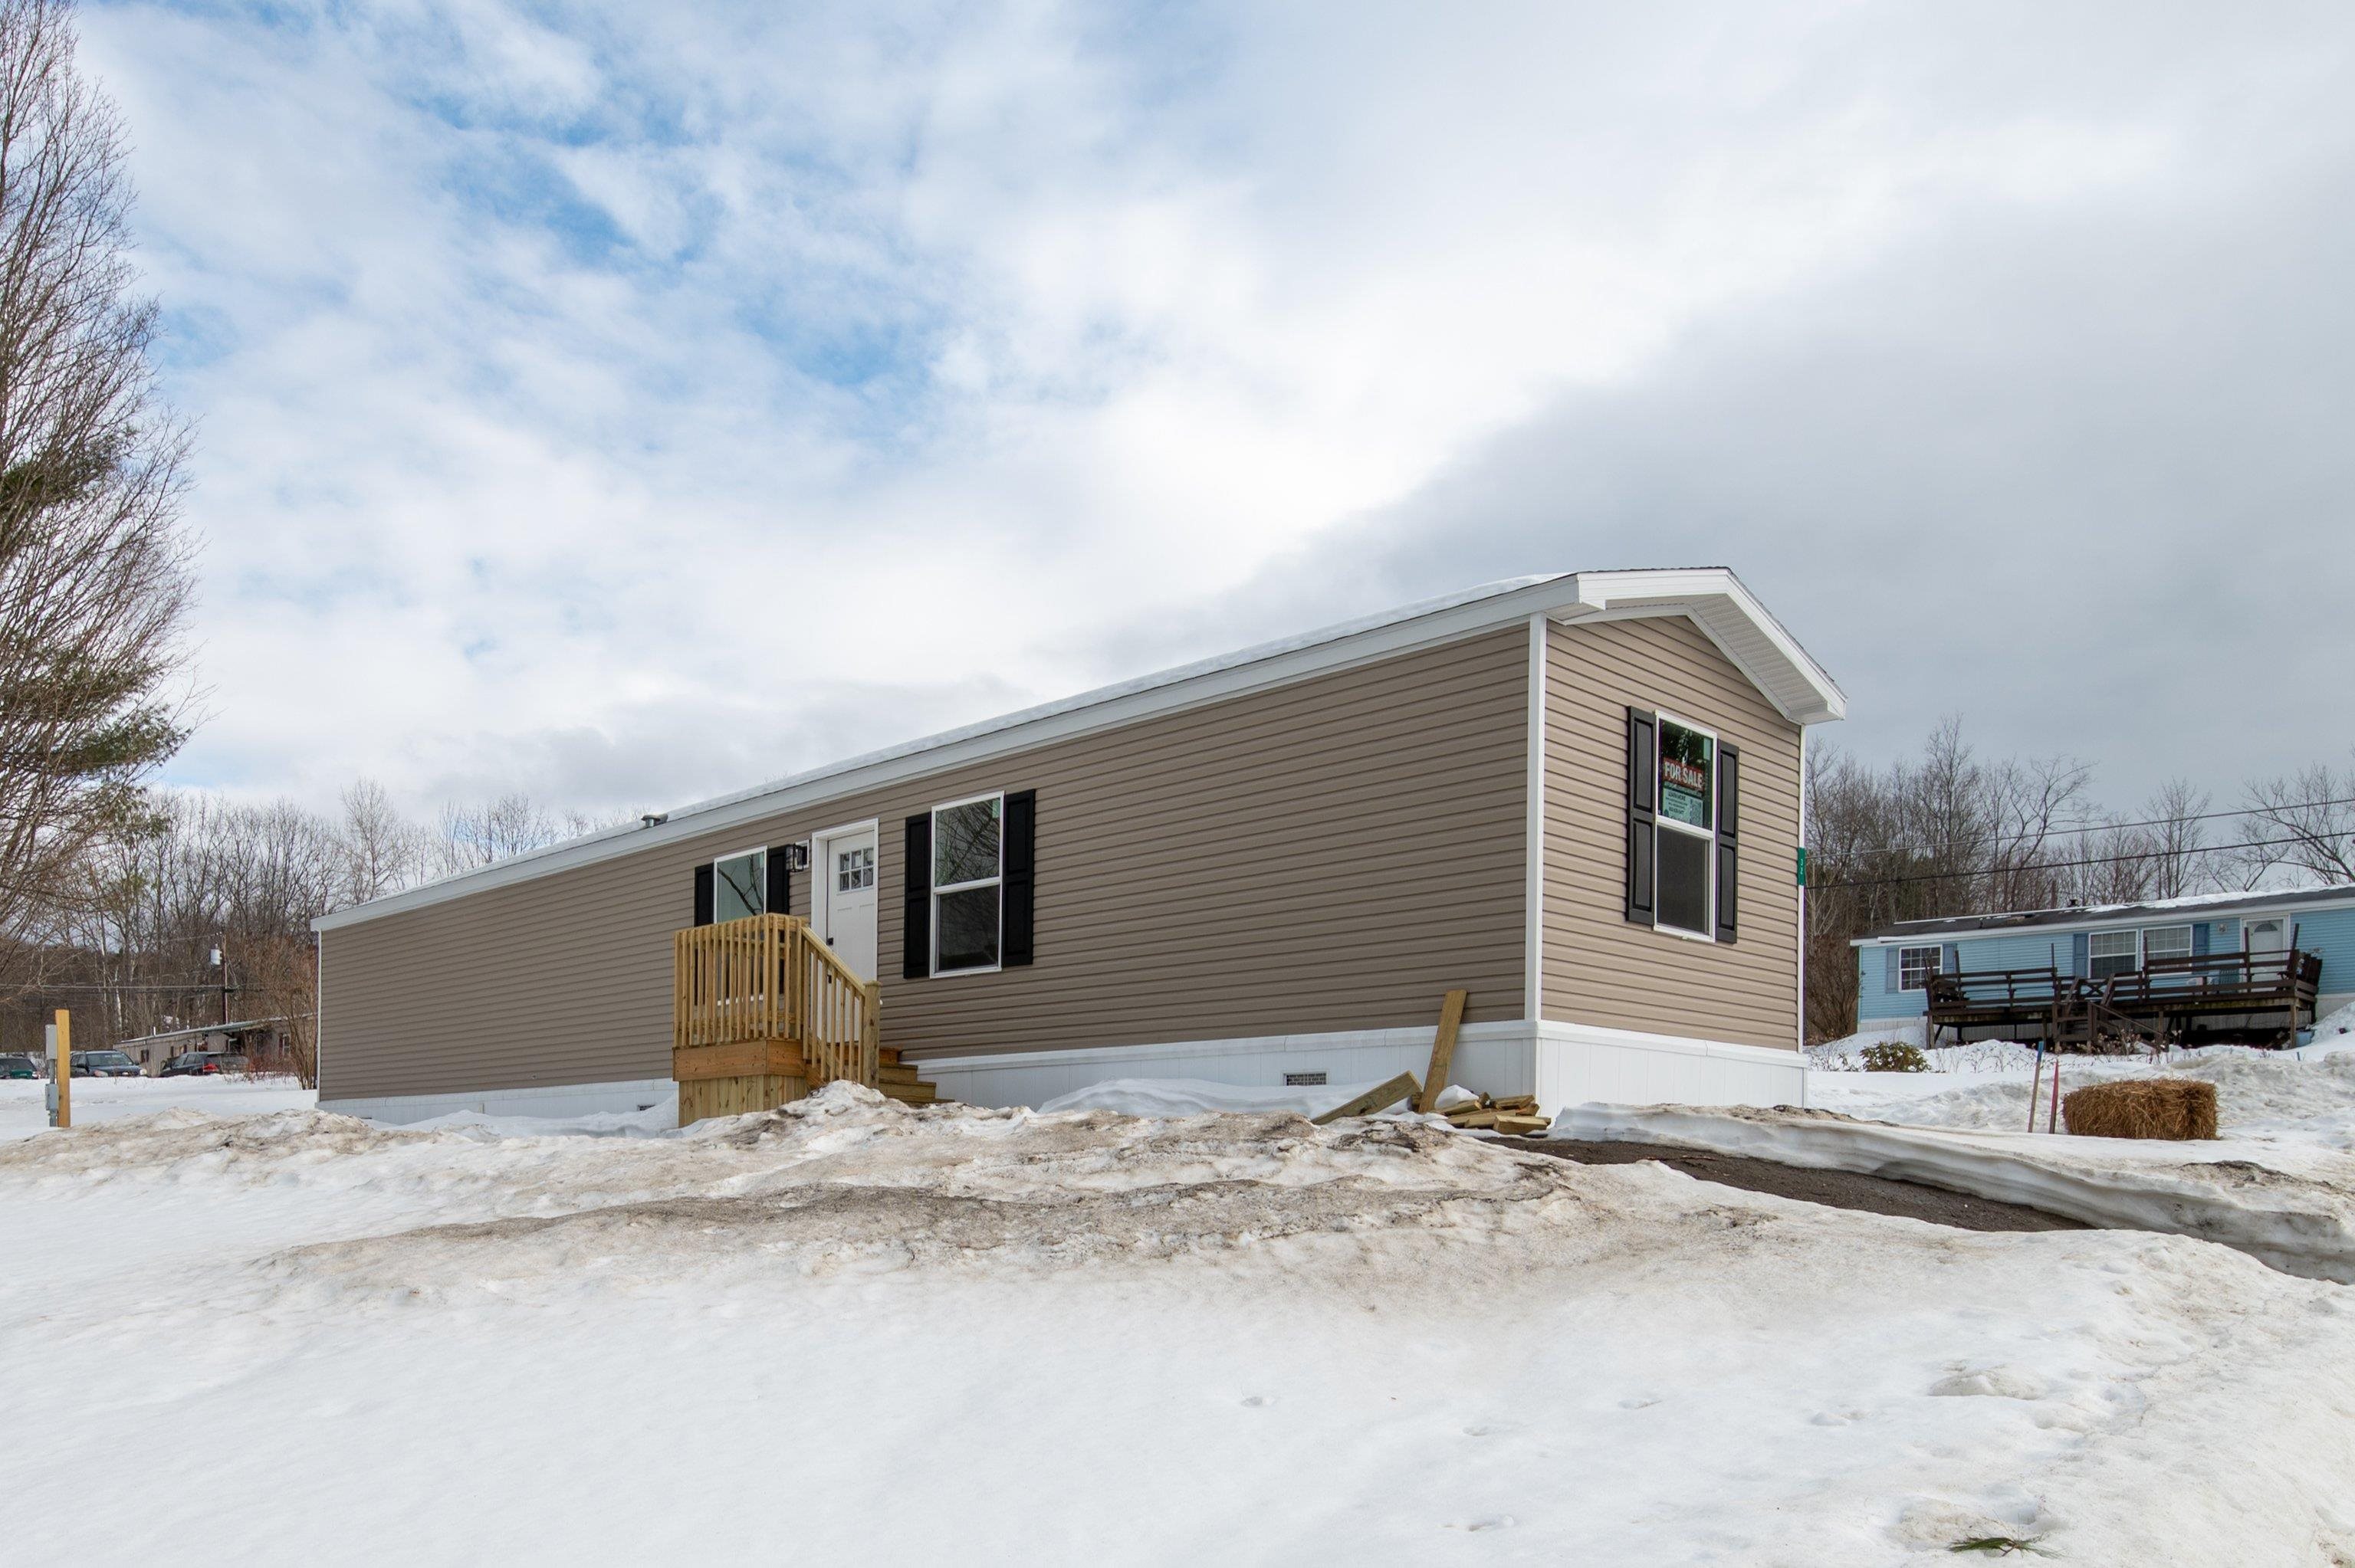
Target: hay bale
2143,1107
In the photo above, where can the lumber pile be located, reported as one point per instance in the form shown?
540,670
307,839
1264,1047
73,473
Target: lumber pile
2143,1107
1515,1114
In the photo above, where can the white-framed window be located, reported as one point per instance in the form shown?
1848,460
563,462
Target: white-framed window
853,869
1915,966
2112,953
1684,832
2167,942
968,888
739,884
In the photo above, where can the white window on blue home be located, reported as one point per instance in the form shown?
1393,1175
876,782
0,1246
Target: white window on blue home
2165,942
1915,966
968,883
1684,841
2113,953
739,884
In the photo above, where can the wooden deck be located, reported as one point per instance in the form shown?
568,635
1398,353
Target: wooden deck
762,1013
2262,998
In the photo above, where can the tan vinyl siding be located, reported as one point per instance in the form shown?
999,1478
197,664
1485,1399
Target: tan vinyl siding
1598,967
1331,854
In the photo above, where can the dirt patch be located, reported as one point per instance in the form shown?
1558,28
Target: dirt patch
1833,1189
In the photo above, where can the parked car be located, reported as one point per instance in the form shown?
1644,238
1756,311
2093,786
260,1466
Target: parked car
19,1067
199,1064
105,1065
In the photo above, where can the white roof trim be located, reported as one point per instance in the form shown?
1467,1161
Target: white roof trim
1713,596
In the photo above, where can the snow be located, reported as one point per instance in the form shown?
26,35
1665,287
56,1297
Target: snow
23,1103
2295,1210
855,1331
2266,1098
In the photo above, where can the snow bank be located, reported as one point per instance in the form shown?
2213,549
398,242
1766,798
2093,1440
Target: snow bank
2295,1213
1221,1337
2279,1097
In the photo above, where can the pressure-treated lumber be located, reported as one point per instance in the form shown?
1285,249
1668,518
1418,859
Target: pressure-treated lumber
1380,1097
762,1007
1443,1049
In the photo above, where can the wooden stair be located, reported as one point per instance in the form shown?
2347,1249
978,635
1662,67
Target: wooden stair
898,1081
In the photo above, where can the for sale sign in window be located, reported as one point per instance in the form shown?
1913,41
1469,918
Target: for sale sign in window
1688,760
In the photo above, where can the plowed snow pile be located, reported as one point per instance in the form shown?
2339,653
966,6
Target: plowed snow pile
854,1331
2265,1095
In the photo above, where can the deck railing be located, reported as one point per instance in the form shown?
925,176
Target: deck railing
767,980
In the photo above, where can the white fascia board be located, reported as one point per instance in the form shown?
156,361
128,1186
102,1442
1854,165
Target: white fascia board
1723,606
1410,629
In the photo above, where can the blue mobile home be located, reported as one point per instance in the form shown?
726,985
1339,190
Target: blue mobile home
1896,963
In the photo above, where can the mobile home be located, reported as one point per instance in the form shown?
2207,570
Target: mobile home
1576,797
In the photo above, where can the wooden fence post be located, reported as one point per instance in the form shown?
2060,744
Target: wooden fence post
62,1068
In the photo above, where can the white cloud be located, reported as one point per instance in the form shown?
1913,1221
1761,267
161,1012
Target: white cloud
627,404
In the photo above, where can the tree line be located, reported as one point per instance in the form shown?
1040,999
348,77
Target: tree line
197,910
1946,832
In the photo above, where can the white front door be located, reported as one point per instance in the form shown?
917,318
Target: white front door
2265,937
843,893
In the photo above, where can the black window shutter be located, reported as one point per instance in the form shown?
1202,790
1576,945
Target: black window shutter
703,894
1021,847
1643,780
1729,856
780,891
916,901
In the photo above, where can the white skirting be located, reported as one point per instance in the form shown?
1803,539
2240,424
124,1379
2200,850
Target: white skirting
1561,1063
558,1100
1581,1062
1494,1057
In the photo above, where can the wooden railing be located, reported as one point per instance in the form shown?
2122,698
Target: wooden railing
768,981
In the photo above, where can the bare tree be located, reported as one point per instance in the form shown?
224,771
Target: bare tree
383,851
2304,825
93,566
2182,860
282,983
477,835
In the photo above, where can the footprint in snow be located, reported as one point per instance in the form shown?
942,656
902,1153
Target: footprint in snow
2000,1383
1493,1521
1256,1401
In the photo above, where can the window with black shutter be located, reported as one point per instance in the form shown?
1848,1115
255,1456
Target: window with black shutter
1683,822
916,900
971,881
1020,876
1728,855
1643,754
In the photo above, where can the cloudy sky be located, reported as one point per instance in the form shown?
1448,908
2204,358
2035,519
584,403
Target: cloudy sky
631,403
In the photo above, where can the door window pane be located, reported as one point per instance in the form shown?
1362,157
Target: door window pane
740,887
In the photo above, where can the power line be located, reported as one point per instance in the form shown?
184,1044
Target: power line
2018,870
2153,822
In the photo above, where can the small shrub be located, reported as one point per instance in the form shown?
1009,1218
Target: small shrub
1896,1056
